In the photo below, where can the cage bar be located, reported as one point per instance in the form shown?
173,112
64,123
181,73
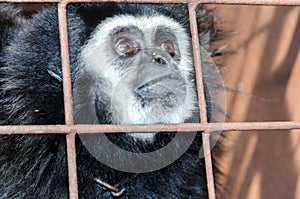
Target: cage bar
197,62
71,130
68,102
232,2
147,128
201,99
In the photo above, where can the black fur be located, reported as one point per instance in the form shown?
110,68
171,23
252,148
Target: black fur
35,166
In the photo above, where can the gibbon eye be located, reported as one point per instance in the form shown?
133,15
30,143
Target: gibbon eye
126,47
168,47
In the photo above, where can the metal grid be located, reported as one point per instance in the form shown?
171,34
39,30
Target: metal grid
70,129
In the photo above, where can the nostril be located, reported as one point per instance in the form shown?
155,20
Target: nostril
159,61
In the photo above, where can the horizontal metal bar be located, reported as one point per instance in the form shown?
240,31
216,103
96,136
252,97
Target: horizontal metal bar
110,128
251,2
30,1
237,2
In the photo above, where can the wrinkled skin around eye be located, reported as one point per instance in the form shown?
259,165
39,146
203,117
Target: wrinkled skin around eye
168,47
125,47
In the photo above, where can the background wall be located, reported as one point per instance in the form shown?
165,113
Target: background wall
262,165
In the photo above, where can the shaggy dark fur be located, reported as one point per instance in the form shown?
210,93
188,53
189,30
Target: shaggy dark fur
35,166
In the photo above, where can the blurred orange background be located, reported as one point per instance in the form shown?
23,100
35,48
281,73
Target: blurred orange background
266,69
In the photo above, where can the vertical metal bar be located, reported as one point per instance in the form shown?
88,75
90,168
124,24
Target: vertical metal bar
72,167
68,103
208,165
201,99
66,73
197,62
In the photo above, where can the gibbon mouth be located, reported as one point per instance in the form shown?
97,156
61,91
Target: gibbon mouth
162,87
164,78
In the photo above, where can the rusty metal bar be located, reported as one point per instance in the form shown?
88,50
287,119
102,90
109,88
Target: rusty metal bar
30,1
237,2
66,73
251,2
72,166
208,165
201,98
197,63
68,102
148,128
72,129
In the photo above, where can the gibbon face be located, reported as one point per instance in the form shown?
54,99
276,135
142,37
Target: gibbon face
141,67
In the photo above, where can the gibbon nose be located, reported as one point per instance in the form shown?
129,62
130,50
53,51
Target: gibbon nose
161,58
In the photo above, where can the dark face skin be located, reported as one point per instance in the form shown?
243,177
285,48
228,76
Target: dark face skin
155,59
